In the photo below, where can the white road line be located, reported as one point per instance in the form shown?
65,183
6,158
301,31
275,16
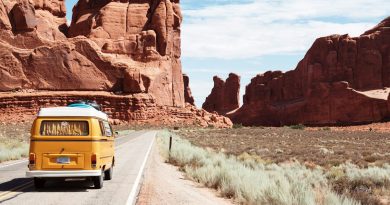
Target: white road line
133,194
15,163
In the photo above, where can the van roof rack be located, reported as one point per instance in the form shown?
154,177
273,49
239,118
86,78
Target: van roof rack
85,104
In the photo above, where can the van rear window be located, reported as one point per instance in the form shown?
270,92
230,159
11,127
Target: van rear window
64,128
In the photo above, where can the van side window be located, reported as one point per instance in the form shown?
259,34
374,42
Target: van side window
107,129
102,129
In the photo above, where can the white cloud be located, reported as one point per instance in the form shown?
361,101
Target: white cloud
264,27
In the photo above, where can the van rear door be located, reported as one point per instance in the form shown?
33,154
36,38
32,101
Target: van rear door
62,143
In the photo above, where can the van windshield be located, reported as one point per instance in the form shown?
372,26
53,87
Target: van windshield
64,128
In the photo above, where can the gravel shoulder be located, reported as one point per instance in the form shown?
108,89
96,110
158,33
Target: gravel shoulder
163,184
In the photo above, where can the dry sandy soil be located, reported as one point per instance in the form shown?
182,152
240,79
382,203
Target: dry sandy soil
320,146
383,127
164,185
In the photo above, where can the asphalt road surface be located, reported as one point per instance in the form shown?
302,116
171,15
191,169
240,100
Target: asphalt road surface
131,153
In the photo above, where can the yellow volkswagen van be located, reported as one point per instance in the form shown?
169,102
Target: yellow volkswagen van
71,142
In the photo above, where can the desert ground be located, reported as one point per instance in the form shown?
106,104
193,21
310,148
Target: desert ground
321,146
327,148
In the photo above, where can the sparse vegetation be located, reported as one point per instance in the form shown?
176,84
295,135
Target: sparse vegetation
355,163
309,146
362,184
13,151
236,126
250,181
297,127
14,141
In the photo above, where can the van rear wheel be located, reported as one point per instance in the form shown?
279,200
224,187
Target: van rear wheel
39,183
98,181
108,173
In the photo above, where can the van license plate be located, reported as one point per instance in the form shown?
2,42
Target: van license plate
63,160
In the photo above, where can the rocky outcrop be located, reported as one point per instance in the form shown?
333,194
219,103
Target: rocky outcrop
187,90
224,96
130,109
333,84
129,48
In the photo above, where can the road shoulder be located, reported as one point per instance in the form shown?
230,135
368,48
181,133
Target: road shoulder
163,184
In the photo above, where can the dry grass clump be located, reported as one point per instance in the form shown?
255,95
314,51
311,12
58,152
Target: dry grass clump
367,185
249,181
13,151
14,142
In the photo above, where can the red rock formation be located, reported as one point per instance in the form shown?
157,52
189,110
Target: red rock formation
333,84
134,109
224,96
187,90
131,48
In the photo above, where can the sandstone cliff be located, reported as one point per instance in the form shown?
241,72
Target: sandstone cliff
129,47
187,90
341,80
224,96
125,49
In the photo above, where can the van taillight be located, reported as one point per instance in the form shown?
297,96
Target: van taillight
32,158
93,160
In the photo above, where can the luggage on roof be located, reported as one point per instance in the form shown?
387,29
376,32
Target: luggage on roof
85,104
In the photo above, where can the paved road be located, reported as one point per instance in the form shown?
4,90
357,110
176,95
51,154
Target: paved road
131,153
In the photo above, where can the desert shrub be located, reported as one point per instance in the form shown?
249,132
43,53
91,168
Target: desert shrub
359,183
297,127
237,126
14,141
13,151
210,126
248,181
377,175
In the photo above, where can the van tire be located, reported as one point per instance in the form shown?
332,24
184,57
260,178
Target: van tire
39,183
108,173
98,181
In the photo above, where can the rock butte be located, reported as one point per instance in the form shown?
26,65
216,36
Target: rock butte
124,54
341,80
187,90
224,96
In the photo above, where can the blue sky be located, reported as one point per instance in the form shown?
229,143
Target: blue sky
249,37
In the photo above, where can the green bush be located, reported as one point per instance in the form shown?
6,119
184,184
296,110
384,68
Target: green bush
298,127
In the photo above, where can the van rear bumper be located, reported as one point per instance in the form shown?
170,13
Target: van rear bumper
73,173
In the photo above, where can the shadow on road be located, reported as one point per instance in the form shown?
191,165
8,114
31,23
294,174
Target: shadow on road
18,186
53,185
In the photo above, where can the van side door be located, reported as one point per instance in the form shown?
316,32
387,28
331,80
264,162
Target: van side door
107,143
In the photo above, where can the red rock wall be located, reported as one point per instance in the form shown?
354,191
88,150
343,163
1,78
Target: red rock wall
133,109
123,54
326,86
224,96
123,47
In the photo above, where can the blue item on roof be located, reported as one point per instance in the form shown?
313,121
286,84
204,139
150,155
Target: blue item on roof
80,105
